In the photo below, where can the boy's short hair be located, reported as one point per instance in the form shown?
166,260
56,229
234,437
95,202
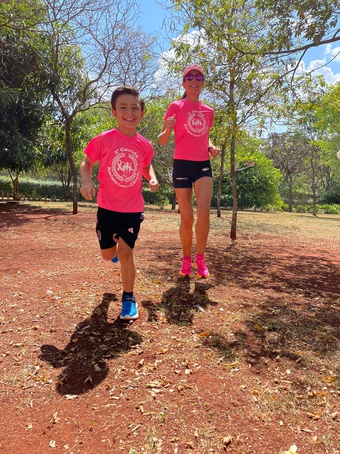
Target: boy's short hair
126,90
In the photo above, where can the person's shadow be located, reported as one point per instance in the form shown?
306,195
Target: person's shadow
179,303
85,357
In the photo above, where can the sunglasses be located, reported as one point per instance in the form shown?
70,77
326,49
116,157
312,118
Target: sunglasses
198,77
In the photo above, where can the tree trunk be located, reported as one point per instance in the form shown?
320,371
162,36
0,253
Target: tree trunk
220,180
173,204
72,166
234,187
233,125
15,186
290,195
314,197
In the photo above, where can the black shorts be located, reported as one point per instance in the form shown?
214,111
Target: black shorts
112,225
185,173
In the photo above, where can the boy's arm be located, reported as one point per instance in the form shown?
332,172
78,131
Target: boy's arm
150,175
87,188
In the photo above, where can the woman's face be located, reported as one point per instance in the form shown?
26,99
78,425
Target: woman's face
193,86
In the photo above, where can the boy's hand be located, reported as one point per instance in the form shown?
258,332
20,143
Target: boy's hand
153,185
87,190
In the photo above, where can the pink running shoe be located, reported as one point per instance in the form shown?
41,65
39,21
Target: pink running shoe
200,265
186,267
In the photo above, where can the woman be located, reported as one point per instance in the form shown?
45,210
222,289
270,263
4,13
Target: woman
191,121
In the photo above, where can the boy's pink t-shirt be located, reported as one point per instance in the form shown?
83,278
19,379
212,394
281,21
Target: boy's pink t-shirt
193,123
121,162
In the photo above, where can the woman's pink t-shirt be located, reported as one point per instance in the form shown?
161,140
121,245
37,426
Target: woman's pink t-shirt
121,162
193,123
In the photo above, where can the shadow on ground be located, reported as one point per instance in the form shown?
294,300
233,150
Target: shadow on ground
179,303
85,357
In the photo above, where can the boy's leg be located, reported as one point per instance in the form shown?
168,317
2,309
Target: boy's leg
127,265
128,271
108,254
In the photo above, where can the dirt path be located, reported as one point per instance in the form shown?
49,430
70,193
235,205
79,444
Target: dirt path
245,362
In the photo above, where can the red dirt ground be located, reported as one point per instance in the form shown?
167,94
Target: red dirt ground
244,362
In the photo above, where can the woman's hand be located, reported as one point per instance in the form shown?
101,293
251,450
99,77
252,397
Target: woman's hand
170,123
214,151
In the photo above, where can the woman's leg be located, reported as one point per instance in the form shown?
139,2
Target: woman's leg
184,199
203,191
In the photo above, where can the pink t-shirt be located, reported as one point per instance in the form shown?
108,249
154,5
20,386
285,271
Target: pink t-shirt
121,162
193,123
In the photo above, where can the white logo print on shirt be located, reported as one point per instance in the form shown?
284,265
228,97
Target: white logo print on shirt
124,168
196,125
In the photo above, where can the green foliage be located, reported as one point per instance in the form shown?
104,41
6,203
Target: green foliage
257,185
160,198
150,127
33,189
22,93
313,20
326,208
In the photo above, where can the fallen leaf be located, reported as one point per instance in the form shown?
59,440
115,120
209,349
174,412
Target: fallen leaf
227,440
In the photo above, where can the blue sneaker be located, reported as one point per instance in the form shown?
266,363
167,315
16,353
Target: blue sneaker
115,259
129,308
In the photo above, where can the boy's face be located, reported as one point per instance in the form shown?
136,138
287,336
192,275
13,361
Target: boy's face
128,113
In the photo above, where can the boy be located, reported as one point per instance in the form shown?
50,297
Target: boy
124,158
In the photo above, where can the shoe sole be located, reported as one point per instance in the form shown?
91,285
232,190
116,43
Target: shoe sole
184,275
129,317
201,276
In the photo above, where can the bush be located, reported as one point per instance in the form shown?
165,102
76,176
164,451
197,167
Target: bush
329,209
5,188
33,189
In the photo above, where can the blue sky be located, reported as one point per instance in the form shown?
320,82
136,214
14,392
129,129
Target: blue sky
152,19
152,16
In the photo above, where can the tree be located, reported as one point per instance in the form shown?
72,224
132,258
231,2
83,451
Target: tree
90,48
328,124
257,178
287,151
85,125
226,42
150,127
245,59
22,94
296,27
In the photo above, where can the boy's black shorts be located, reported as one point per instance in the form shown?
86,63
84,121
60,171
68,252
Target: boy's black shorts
112,225
185,173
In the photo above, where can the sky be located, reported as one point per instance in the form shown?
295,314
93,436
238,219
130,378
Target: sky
153,15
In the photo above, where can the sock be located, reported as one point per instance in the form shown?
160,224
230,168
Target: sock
187,257
127,294
199,256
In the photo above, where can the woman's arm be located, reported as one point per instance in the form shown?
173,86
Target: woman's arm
149,174
168,127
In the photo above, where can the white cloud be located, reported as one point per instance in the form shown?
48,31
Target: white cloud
326,64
